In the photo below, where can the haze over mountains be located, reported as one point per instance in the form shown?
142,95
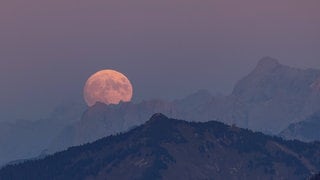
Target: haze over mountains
276,95
306,130
269,99
164,148
27,139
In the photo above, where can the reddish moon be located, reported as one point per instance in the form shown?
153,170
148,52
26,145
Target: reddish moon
108,87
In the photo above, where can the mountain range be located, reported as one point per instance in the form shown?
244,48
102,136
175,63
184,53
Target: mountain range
25,139
275,99
164,148
269,99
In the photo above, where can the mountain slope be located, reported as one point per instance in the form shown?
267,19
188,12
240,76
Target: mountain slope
268,99
103,120
174,149
307,130
25,139
275,95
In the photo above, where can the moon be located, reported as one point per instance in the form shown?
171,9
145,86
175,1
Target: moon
108,87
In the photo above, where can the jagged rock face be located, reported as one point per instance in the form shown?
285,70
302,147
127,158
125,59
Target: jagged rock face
277,95
266,64
270,80
165,148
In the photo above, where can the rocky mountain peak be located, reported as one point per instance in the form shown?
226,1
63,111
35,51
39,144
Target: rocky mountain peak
267,64
156,118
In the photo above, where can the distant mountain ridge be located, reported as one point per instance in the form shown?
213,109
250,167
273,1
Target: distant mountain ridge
26,139
277,93
268,99
164,148
306,130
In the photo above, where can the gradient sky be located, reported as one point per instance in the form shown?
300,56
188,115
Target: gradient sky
167,48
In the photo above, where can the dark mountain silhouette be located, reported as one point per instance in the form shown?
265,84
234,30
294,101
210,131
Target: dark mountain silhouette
268,99
103,120
20,161
307,130
164,148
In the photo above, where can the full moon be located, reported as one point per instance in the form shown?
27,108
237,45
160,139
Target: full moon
109,87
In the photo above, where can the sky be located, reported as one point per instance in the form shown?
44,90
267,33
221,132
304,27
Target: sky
167,48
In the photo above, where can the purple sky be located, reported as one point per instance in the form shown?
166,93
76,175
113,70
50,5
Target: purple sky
167,48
